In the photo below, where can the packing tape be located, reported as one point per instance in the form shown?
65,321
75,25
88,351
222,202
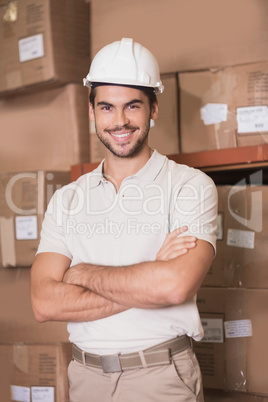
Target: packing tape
7,236
11,11
20,357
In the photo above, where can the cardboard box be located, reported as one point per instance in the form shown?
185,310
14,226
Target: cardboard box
164,133
6,368
23,201
43,43
232,354
224,108
228,396
17,321
44,131
34,372
185,35
241,259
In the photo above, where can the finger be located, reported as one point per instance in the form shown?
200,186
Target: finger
175,249
172,235
178,231
177,246
177,253
183,239
178,242
172,254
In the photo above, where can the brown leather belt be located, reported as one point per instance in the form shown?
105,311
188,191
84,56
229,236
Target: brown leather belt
155,356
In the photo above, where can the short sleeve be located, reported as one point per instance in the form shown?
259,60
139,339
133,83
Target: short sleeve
52,237
195,204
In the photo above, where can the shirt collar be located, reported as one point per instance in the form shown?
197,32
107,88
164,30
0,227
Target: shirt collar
148,172
96,177
152,168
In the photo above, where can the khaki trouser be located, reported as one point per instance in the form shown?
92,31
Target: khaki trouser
179,381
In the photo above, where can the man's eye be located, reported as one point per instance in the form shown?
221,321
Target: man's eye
106,108
133,106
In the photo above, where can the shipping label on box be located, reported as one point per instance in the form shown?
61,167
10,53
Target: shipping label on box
31,48
252,119
21,394
44,394
213,330
238,328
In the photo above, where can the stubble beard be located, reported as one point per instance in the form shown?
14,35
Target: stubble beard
120,151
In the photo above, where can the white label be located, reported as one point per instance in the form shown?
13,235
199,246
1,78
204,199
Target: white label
20,394
252,119
238,329
44,394
240,238
213,330
31,48
26,227
213,113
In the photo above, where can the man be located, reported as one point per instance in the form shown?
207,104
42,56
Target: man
125,248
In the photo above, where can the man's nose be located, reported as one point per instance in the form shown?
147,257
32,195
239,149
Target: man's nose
121,118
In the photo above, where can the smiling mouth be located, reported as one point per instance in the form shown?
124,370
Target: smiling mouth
123,135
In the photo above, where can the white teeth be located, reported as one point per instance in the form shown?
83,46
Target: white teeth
120,135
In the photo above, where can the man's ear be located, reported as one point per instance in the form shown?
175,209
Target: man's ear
91,112
154,111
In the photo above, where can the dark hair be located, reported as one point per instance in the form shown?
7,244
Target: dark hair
149,92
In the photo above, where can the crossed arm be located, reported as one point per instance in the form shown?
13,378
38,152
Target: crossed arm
89,292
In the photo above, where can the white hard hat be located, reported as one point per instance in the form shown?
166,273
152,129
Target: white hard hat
125,62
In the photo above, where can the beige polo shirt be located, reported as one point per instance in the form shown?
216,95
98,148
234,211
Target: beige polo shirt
89,222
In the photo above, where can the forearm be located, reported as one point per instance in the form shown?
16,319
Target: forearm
143,285
151,284
58,301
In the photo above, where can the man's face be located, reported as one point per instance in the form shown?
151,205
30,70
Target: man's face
122,119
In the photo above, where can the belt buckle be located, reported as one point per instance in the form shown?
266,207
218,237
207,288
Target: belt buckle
111,363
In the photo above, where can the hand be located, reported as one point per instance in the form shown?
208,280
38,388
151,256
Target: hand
175,246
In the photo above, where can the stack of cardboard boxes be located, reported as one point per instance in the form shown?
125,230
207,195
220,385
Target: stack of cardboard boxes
33,357
234,297
45,54
43,105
